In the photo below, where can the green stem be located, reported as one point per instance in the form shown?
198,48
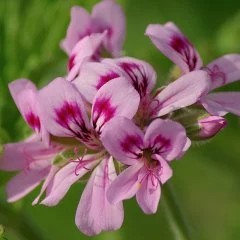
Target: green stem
19,223
176,219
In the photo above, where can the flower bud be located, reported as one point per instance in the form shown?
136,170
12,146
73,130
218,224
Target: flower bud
198,123
210,126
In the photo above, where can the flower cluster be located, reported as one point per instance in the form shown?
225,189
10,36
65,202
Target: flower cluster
105,121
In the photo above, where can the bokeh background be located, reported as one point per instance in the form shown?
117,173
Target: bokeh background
206,182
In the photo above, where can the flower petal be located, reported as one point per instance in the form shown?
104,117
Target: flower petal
186,147
115,98
78,28
47,181
148,195
126,146
107,15
221,103
125,185
166,171
87,49
24,93
23,183
93,76
140,73
183,92
224,70
63,110
174,45
31,154
94,213
166,138
13,157
64,179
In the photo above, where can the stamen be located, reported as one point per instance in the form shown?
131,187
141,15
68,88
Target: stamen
153,169
80,162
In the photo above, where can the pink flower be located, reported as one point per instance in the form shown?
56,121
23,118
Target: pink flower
185,91
147,156
106,16
224,70
33,161
87,49
94,75
90,35
32,157
66,115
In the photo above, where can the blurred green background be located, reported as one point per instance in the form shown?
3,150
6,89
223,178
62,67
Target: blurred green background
206,182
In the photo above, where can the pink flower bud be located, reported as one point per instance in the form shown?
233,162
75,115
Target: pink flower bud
210,126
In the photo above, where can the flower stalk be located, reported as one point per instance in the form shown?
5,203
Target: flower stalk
179,226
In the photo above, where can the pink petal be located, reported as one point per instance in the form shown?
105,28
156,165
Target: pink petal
13,157
221,103
138,72
63,110
127,145
174,45
186,147
166,138
166,171
149,191
64,178
107,15
92,77
126,184
79,27
24,93
224,70
115,98
94,213
31,154
23,183
47,181
87,49
148,195
183,92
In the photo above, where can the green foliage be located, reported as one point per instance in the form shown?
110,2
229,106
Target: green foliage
227,38
206,181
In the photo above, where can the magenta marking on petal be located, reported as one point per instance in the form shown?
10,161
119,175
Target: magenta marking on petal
160,144
109,32
69,114
185,48
103,108
106,78
130,142
87,32
134,71
71,62
70,111
216,74
33,121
